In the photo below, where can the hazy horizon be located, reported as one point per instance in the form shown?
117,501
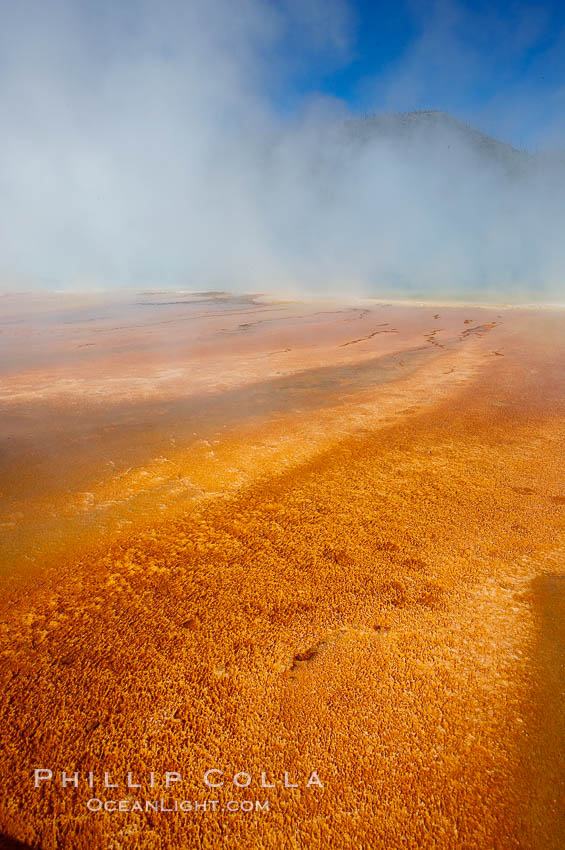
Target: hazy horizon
204,146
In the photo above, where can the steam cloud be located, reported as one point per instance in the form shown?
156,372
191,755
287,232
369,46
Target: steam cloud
145,144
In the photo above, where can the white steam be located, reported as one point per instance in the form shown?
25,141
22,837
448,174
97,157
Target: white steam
142,146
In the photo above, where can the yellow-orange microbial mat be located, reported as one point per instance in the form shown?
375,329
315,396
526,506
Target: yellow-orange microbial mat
281,574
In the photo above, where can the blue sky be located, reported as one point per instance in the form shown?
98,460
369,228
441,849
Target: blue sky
500,65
